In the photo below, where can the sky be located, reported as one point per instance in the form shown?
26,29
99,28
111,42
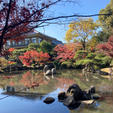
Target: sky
80,7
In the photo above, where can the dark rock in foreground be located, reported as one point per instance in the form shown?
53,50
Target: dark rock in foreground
75,95
49,100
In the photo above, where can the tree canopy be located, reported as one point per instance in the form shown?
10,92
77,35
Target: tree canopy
106,21
81,30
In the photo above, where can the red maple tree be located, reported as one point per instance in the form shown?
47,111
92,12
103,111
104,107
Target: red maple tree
107,47
64,52
34,57
18,17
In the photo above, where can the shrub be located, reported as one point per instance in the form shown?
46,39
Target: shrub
16,53
81,54
67,64
33,46
64,53
46,47
107,48
97,60
33,58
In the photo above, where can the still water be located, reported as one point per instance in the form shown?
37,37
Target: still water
33,88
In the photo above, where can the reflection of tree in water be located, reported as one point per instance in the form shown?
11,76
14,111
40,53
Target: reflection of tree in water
32,80
29,79
27,85
64,83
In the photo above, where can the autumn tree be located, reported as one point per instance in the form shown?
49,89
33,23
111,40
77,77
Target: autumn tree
64,53
107,21
92,43
33,58
102,36
81,30
107,48
20,17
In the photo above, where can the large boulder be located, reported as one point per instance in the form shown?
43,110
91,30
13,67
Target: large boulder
74,95
62,96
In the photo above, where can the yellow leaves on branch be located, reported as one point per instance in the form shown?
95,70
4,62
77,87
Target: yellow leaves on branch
81,29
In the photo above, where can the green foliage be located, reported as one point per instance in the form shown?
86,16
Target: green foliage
107,21
102,60
83,62
33,46
91,55
80,54
91,44
46,47
102,36
111,64
67,64
57,64
16,53
98,60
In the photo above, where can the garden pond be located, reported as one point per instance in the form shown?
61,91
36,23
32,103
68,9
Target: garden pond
33,88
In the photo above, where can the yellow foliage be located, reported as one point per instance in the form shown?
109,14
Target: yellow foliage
3,63
73,46
81,29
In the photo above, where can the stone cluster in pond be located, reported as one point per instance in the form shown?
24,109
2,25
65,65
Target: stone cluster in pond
74,96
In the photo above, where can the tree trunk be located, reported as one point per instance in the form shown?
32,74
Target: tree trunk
1,44
84,44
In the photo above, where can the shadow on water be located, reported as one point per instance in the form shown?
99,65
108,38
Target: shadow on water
26,95
37,88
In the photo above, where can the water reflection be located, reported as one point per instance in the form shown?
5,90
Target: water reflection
32,88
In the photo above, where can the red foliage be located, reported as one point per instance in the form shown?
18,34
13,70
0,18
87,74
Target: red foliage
64,53
11,49
107,47
33,57
11,62
22,15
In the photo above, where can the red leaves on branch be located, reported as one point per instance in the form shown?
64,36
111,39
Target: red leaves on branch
22,15
11,49
33,57
107,47
64,53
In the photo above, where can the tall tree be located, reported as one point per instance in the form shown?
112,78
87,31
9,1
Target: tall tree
106,21
81,30
18,17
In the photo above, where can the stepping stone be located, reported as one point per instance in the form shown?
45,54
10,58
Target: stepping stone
49,100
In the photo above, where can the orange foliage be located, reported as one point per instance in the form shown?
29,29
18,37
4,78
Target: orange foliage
73,46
